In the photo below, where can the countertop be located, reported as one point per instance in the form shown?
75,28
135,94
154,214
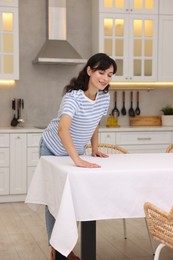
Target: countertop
30,129
133,128
10,129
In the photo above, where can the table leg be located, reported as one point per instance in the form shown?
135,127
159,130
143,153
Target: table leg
58,256
88,240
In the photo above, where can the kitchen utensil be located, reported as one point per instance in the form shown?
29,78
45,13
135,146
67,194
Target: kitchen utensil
137,110
115,109
131,110
20,106
14,121
123,110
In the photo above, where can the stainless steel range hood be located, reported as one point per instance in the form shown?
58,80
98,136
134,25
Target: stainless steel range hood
56,48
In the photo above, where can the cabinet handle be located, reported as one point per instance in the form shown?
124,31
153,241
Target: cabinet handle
18,137
144,138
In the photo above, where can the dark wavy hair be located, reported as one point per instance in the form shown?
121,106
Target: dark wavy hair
99,61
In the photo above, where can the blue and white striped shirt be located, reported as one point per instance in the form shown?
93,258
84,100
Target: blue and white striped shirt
86,115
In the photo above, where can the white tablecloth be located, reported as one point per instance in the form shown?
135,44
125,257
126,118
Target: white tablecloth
118,189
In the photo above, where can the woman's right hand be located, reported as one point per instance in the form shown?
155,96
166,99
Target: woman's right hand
86,164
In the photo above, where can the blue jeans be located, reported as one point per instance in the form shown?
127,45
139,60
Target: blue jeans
50,220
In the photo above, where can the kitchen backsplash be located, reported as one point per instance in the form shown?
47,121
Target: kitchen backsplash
150,103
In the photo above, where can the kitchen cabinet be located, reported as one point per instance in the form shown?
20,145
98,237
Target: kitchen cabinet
9,40
18,163
166,7
129,37
19,154
12,3
129,6
107,138
144,142
165,53
165,68
4,164
32,154
137,141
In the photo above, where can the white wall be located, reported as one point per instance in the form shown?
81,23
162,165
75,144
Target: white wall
41,85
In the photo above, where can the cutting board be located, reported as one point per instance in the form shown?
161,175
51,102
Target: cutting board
145,121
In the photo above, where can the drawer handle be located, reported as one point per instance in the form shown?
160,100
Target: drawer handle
144,138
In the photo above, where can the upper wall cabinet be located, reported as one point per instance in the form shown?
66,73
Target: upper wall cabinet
129,37
129,6
165,50
12,3
165,54
9,40
166,7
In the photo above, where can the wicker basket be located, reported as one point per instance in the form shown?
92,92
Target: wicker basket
160,224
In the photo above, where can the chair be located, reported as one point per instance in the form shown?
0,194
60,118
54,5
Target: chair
106,148
160,225
113,149
169,149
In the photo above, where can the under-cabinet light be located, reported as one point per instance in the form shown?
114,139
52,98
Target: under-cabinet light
7,82
140,85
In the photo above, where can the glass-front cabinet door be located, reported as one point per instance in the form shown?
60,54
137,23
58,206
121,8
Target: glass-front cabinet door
114,40
9,49
132,41
129,6
143,48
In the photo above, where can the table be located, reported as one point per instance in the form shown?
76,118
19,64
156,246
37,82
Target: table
118,189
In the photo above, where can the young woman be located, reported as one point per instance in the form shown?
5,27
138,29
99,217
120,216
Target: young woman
85,101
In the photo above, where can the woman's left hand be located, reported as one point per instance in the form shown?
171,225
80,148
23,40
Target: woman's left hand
99,154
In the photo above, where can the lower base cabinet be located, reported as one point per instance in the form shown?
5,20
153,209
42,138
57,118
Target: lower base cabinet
4,164
19,154
144,141
138,141
17,163
4,181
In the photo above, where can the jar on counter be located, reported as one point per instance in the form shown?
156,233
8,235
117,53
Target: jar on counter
112,120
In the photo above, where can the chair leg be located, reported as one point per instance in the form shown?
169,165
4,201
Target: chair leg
149,235
150,238
158,250
125,230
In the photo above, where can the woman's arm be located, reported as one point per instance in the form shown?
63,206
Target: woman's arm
64,133
94,140
94,144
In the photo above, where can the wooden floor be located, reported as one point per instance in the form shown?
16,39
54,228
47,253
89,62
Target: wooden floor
23,237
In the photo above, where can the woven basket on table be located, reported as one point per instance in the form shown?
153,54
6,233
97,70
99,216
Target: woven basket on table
160,224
